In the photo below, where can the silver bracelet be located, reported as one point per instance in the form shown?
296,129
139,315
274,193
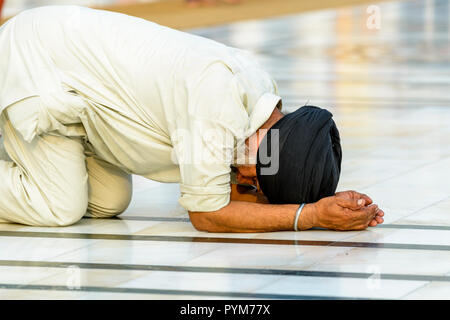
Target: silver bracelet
297,215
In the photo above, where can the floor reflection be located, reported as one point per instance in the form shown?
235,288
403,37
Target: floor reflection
332,58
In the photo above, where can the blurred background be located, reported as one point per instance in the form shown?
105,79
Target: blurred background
189,13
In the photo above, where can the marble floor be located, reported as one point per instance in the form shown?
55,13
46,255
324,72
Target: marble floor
387,82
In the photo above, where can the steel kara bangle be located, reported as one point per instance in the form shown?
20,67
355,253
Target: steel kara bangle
297,215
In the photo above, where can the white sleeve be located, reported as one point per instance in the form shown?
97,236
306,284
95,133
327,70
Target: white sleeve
205,138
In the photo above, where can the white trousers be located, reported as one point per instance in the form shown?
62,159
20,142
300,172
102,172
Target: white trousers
50,181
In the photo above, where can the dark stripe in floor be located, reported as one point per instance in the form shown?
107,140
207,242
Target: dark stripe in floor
175,292
29,234
383,226
155,219
255,271
413,227
138,218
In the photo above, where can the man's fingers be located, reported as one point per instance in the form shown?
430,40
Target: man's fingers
371,211
365,215
379,216
367,198
369,216
359,211
352,194
379,220
353,204
373,223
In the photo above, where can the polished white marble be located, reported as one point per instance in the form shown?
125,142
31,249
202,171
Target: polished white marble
216,282
138,252
74,277
27,294
89,226
264,256
144,296
25,275
430,291
395,261
95,226
155,201
342,287
40,249
308,235
436,214
185,229
403,236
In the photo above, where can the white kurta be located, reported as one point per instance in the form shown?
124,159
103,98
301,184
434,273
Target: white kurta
146,98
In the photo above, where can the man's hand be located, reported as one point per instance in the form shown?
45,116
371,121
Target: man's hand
347,210
351,195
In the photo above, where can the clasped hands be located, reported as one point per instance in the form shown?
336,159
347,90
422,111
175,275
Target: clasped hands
348,210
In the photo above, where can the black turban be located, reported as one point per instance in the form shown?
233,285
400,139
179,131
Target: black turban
310,157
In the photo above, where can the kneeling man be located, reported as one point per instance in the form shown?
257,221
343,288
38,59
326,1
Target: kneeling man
90,97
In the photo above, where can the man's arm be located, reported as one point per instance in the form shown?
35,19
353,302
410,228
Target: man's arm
344,211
